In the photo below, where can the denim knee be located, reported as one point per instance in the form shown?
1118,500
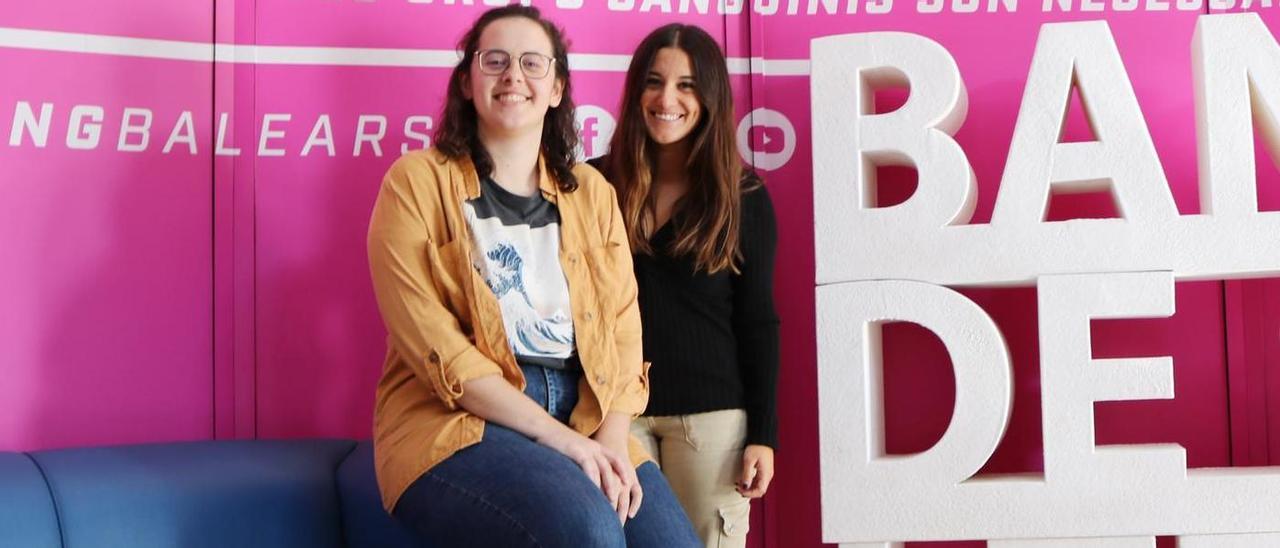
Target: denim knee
582,525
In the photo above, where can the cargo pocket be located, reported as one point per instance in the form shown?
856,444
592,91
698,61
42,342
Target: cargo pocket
735,520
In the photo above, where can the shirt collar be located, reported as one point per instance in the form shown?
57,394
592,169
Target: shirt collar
546,184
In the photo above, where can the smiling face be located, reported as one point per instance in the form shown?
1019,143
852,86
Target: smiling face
512,104
670,100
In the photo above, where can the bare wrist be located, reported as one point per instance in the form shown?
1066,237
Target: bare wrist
614,428
546,428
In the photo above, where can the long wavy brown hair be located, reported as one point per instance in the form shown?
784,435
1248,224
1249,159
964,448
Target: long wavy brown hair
708,217
458,135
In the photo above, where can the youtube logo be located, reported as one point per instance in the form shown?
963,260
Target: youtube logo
766,139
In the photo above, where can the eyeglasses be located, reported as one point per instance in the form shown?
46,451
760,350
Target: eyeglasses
534,65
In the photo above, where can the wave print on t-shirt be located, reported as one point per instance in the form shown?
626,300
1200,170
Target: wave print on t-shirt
534,335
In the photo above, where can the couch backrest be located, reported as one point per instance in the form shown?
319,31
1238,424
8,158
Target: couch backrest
243,494
247,494
27,515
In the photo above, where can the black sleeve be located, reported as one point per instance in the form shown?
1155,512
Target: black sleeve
755,322
599,162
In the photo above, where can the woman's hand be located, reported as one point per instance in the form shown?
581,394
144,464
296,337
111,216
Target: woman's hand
598,462
603,457
757,471
613,434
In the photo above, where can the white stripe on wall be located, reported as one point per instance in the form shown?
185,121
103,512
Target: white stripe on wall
45,40
106,45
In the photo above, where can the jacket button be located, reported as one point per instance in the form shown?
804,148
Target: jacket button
601,380
434,357
573,258
589,316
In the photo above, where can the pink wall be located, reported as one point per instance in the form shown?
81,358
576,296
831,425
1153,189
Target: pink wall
105,281
152,296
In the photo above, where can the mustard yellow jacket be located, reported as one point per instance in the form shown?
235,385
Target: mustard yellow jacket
445,327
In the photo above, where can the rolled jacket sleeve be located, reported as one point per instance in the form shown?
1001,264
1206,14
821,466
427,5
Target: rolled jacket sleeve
406,266
631,394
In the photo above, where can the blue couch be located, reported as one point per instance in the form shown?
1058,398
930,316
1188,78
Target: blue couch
216,494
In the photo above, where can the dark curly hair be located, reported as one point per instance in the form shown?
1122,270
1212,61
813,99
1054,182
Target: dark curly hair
458,136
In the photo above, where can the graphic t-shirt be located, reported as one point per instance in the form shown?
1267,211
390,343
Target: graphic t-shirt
516,249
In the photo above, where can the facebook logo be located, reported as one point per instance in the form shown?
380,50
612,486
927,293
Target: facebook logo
595,129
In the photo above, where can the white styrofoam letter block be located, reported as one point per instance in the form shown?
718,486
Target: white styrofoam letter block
1122,159
858,477
1087,491
850,140
1104,542
855,243
1071,380
1236,66
866,254
1257,540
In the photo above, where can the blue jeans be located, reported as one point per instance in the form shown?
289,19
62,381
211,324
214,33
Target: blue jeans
508,490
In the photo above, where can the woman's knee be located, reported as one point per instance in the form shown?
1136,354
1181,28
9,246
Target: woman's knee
574,525
549,517
559,506
661,521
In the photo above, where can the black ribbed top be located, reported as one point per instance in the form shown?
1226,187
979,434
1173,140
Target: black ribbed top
713,339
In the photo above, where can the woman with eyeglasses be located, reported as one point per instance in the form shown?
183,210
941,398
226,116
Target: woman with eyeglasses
514,364
704,235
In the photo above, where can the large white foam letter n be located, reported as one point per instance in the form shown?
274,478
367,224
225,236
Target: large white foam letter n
1236,64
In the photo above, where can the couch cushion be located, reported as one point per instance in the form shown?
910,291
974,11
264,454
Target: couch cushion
275,494
27,515
364,522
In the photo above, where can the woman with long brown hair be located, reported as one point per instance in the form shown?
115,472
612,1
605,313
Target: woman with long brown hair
514,363
703,234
